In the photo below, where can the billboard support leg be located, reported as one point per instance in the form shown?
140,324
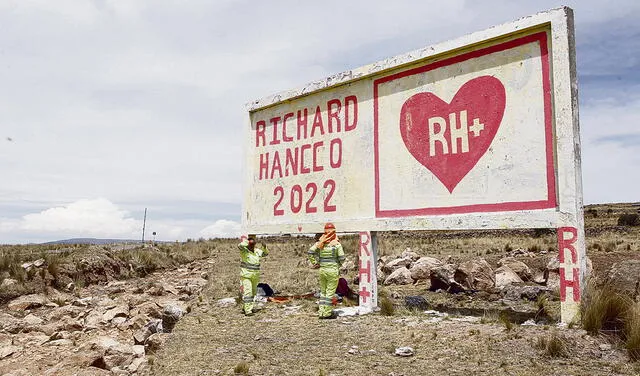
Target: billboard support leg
367,274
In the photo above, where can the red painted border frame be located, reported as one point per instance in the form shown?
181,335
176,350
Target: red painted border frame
550,202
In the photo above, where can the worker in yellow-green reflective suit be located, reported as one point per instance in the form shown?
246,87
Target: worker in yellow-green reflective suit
250,271
328,255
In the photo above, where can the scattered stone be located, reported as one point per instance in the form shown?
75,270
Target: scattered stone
404,351
353,350
204,275
530,322
170,316
8,282
409,255
26,302
418,303
506,276
156,341
32,319
605,347
392,266
140,336
401,276
84,302
119,311
38,263
135,364
8,350
539,277
528,292
421,269
60,342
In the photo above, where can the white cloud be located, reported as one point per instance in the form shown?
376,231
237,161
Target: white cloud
97,217
222,228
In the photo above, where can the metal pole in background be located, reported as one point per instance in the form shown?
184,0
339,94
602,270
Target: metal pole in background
144,224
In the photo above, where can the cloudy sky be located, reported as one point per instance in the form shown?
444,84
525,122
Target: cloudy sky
111,106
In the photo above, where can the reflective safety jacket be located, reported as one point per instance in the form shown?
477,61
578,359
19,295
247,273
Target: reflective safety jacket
250,261
329,257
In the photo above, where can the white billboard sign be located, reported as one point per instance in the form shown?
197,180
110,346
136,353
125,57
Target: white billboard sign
479,132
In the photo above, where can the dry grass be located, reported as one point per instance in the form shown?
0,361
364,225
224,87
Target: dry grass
603,310
632,332
553,345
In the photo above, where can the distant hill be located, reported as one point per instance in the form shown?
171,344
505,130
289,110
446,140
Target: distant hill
92,241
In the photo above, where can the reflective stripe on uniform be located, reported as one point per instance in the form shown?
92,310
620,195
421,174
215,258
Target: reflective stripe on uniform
327,259
246,265
247,299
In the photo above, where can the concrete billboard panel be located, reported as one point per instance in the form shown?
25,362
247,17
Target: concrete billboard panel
480,132
464,134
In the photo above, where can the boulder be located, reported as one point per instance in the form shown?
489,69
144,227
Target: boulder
401,276
421,269
475,275
441,278
393,265
27,302
506,276
519,267
624,278
409,255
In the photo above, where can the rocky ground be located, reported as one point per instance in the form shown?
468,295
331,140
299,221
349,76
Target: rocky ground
96,330
455,302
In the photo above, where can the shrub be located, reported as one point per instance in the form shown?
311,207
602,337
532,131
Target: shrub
629,220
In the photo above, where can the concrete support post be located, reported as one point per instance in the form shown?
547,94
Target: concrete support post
368,266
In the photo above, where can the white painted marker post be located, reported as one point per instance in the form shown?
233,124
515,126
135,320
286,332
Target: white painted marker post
367,272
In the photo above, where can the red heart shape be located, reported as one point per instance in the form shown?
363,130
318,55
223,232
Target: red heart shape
426,122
